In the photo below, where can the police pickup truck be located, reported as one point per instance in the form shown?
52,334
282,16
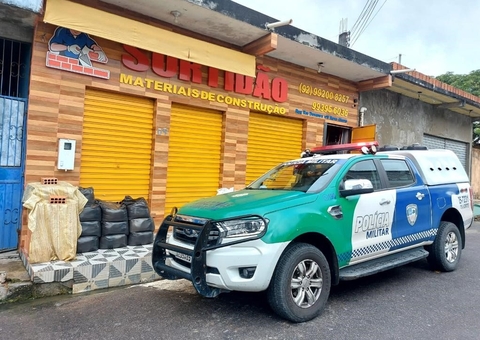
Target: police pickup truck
309,223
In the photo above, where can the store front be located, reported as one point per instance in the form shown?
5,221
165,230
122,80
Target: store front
143,121
151,125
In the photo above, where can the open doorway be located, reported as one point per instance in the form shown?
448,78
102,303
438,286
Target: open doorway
336,135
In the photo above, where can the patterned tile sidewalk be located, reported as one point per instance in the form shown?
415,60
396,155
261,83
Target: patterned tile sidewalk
96,270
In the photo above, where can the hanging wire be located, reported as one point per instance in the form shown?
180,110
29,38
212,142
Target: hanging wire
365,20
360,17
358,35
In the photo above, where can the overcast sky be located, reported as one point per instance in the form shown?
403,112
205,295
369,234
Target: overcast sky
433,36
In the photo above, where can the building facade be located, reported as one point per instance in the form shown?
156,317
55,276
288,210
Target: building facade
150,125
168,109
401,121
152,100
17,20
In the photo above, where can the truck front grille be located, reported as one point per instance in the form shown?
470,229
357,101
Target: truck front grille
190,235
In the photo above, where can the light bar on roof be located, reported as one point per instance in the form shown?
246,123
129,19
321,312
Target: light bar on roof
365,147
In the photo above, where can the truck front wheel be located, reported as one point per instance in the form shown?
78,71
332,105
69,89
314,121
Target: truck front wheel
301,283
446,250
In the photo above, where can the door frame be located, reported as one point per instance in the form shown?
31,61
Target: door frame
21,170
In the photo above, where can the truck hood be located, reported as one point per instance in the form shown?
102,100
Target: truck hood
245,202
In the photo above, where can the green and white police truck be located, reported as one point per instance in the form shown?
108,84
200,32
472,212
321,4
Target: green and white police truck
309,223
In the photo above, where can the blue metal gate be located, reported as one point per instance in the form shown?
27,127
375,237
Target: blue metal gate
12,146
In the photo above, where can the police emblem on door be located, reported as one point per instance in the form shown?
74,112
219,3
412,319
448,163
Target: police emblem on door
412,213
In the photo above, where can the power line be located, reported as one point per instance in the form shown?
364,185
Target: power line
367,18
365,22
370,21
361,16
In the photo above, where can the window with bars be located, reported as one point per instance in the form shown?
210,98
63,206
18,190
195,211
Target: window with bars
14,68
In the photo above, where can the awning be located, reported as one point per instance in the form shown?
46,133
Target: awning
113,27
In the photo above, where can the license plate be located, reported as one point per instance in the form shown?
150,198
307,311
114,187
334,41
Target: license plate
181,256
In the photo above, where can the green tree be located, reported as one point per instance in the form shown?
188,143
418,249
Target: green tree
476,132
469,83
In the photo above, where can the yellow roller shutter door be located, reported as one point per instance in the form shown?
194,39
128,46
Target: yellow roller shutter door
194,155
117,145
271,140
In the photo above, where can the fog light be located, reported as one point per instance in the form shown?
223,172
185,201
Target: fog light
247,272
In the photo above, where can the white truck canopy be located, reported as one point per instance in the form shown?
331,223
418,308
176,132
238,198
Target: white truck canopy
436,166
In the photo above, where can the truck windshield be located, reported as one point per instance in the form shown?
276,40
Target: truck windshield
303,175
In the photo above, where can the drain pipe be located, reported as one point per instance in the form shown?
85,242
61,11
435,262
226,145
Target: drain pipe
362,110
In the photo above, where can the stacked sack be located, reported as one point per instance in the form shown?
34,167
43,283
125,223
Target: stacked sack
90,220
114,225
140,223
108,225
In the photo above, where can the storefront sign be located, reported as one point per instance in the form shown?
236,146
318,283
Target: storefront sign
169,67
320,115
201,94
321,93
326,95
74,51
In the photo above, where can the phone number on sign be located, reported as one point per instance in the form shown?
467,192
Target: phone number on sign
330,109
321,93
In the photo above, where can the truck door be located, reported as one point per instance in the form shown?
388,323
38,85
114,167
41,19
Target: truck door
370,216
413,208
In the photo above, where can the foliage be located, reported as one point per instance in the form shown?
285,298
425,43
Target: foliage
467,82
476,132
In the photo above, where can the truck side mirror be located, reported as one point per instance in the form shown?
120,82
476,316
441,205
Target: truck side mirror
356,187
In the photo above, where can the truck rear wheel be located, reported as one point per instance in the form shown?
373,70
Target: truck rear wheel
301,283
446,250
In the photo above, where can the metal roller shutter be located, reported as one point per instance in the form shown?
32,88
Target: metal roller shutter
460,148
271,140
117,145
194,155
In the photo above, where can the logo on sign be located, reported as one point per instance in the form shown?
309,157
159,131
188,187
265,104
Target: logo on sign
412,213
75,51
190,232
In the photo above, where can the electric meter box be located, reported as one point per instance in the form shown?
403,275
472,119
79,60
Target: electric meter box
66,154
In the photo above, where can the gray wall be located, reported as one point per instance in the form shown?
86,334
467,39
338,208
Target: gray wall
30,5
403,120
17,18
14,32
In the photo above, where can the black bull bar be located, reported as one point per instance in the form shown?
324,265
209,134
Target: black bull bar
198,265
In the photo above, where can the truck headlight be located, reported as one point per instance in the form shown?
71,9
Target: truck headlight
241,227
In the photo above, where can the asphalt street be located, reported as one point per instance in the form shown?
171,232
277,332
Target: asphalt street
410,302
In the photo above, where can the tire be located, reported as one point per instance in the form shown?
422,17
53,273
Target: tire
446,250
292,279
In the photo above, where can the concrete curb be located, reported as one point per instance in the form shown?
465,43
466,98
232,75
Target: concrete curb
20,282
16,284
23,291
12,292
